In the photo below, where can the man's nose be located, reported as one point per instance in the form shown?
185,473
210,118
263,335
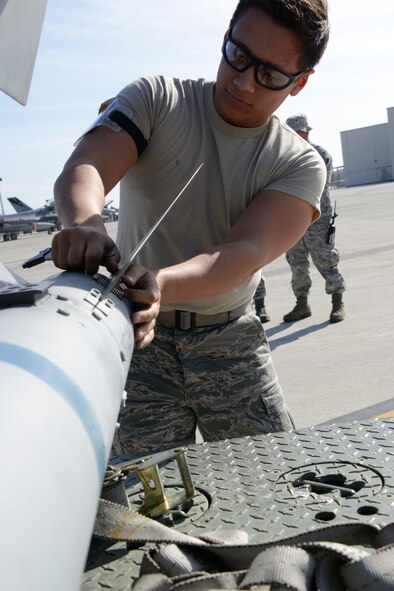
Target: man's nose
245,80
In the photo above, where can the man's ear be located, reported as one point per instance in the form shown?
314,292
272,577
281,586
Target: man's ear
301,82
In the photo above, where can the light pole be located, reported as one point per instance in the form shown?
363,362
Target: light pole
1,201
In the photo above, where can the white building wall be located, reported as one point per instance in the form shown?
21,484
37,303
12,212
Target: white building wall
390,118
368,153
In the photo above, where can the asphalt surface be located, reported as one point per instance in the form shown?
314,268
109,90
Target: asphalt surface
329,372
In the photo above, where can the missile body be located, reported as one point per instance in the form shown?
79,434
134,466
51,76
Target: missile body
64,358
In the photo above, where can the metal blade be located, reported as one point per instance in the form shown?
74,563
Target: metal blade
116,277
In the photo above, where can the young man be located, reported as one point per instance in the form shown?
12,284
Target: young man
317,243
257,192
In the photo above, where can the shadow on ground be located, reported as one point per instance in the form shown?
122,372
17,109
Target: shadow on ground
294,336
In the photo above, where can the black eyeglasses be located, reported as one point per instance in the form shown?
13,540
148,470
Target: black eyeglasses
240,58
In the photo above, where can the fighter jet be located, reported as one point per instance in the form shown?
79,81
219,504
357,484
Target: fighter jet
110,213
27,221
10,229
47,213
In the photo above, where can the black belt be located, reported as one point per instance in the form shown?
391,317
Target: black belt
183,320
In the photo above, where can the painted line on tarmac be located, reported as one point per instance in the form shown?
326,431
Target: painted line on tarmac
389,413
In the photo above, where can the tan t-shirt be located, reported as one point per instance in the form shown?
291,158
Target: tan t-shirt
183,129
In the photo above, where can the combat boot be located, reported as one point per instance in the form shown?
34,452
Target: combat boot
261,311
338,308
301,310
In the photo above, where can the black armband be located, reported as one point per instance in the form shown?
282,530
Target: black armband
127,125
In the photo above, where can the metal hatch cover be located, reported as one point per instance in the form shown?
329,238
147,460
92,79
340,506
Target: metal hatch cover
270,486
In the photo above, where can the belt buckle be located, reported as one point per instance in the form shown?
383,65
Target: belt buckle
185,320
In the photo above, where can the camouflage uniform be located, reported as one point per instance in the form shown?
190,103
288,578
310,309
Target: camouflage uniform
219,378
261,290
314,243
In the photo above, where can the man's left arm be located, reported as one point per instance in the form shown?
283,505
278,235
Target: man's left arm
269,226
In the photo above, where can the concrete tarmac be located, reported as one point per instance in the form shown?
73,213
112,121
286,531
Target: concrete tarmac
326,370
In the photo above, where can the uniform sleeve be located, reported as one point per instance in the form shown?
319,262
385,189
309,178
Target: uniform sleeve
150,100
327,160
303,174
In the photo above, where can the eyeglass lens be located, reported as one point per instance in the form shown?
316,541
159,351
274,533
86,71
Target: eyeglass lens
265,75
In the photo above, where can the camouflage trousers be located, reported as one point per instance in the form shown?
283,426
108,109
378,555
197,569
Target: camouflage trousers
220,379
324,256
261,291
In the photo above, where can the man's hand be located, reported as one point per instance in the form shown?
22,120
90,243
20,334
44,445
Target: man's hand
144,293
84,248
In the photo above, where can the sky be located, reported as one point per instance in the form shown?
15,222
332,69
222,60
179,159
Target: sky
90,49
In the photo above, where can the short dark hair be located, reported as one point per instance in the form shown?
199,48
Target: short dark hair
307,18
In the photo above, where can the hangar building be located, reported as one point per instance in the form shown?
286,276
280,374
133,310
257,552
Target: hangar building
368,153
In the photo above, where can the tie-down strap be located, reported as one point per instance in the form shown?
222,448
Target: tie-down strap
346,557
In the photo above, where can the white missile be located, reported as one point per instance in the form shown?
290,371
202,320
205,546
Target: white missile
64,358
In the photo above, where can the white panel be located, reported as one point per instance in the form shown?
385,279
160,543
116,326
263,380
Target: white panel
390,117
20,30
366,155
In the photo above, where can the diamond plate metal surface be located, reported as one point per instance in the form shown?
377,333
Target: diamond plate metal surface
271,486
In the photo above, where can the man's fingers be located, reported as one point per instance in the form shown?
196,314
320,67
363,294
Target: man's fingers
55,250
141,285
139,277
145,315
143,291
76,256
144,334
60,250
111,259
82,249
145,341
143,296
94,255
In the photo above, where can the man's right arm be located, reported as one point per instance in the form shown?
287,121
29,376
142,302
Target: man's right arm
97,164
